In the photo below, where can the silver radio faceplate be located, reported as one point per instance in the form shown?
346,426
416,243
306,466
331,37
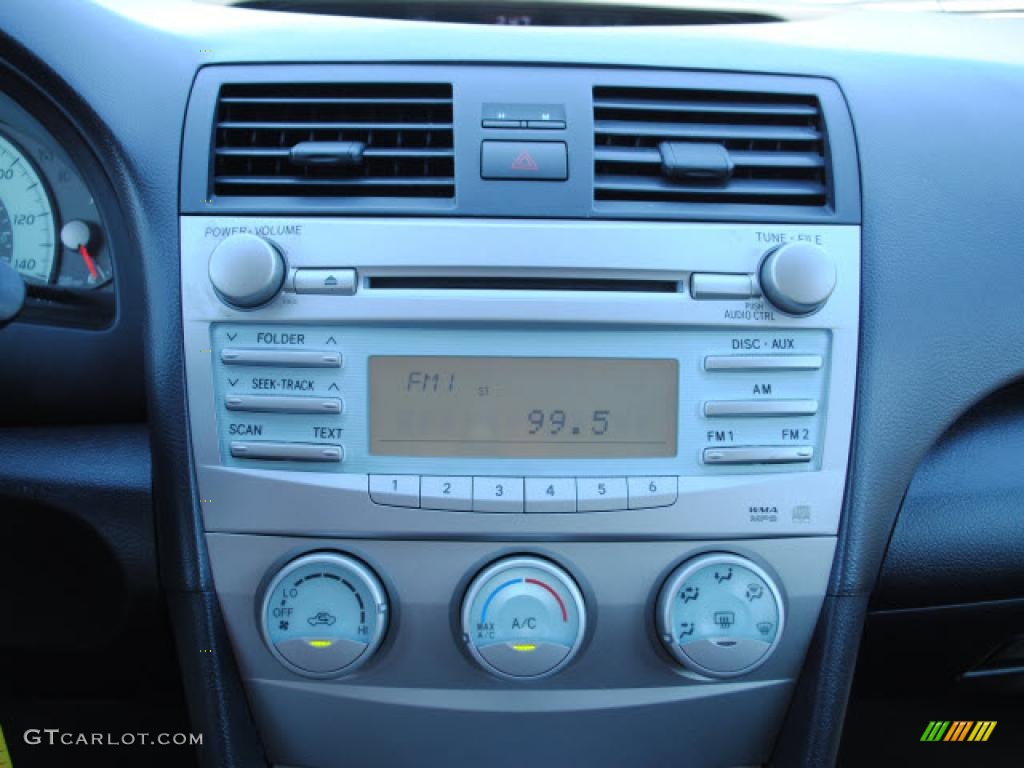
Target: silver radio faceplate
281,395
433,376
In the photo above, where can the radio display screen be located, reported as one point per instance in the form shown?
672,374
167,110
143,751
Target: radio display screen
523,407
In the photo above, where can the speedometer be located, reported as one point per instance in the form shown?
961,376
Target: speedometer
27,228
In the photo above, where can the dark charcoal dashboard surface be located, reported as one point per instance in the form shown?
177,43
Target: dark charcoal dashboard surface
940,160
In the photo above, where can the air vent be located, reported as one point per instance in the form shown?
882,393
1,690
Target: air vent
695,148
361,142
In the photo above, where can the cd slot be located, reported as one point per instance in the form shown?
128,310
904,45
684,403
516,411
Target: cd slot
500,283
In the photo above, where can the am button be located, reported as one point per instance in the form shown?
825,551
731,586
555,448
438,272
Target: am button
524,160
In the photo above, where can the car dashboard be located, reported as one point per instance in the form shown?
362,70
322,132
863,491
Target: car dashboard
581,385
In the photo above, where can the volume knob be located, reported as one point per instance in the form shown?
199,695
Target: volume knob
246,271
798,278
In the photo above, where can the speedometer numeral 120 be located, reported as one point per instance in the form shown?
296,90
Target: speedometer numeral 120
27,229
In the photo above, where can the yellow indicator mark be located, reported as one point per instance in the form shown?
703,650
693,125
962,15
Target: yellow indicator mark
982,730
321,643
524,647
5,756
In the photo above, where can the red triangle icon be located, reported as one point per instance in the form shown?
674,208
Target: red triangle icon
524,162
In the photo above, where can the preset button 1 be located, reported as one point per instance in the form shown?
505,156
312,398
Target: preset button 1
395,490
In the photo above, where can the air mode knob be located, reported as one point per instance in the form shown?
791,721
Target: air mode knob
798,278
246,271
720,615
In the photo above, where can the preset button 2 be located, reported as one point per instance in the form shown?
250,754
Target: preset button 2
454,493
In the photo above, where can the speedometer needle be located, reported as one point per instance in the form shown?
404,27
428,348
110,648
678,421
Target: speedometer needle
89,263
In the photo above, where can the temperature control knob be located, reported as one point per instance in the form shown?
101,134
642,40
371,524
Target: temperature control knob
720,615
798,278
324,614
246,271
523,618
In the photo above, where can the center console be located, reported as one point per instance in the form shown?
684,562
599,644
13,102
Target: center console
520,428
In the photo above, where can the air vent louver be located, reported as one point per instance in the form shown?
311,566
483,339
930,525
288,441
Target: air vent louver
768,148
391,141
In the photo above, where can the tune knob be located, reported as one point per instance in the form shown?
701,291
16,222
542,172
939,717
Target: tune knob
246,271
798,278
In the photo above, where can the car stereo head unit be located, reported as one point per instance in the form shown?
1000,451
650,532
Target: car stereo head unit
602,366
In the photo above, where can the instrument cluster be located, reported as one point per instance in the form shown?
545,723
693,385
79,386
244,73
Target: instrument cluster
52,228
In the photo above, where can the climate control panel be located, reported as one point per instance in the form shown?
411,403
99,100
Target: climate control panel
522,617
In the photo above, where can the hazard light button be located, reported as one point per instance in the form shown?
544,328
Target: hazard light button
524,160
